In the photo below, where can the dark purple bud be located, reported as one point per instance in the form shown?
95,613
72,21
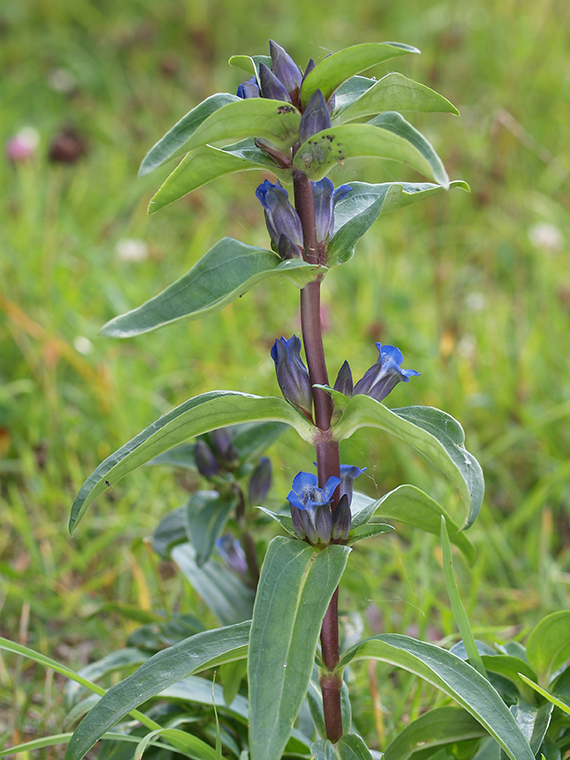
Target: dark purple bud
326,198
285,69
288,250
232,554
206,462
249,89
343,382
292,375
341,519
271,87
225,450
315,117
281,219
310,66
384,374
260,481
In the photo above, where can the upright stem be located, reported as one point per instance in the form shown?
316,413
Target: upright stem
327,450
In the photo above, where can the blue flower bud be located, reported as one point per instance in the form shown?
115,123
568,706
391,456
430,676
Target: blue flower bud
260,481
384,374
315,117
326,198
249,89
310,66
343,382
271,87
225,450
292,375
207,464
283,223
286,70
232,554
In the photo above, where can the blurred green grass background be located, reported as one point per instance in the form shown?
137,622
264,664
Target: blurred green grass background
475,289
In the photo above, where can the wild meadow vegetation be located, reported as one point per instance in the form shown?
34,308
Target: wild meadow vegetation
473,288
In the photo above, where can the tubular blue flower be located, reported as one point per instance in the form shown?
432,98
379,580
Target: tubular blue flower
271,86
315,118
286,70
283,223
341,519
348,474
292,375
310,507
232,554
326,198
384,374
249,89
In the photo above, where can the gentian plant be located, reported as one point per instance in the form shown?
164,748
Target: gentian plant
296,126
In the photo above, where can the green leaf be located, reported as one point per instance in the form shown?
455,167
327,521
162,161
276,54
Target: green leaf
284,520
207,513
454,677
172,144
180,456
544,693
230,600
509,667
388,136
199,652
192,746
270,120
349,92
294,591
395,92
456,603
54,739
208,163
323,750
196,416
224,273
368,531
118,660
170,530
352,747
356,213
548,646
338,67
250,63
411,506
533,721
436,728
251,440
435,434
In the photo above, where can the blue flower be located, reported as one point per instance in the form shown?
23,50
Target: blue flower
292,375
315,118
283,223
271,86
310,507
311,511
260,481
326,198
249,89
384,374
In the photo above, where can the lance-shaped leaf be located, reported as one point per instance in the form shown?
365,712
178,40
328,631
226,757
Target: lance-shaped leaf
207,513
354,214
224,273
388,136
394,92
172,144
196,416
454,677
200,652
411,506
230,600
294,590
437,728
548,646
271,120
435,434
338,67
250,63
208,163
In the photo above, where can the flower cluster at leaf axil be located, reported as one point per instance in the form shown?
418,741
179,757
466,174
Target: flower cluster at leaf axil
314,518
